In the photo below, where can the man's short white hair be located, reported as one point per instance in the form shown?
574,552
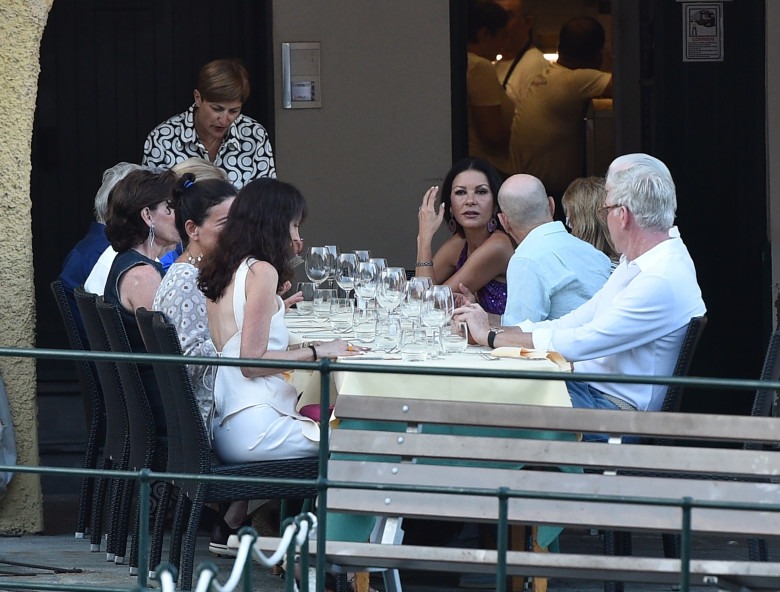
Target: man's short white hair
644,185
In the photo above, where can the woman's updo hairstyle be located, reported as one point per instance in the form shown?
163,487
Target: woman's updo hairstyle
192,199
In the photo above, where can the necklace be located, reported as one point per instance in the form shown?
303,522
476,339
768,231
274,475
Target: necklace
194,260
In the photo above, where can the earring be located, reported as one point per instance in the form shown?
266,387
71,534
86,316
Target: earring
452,226
492,225
151,236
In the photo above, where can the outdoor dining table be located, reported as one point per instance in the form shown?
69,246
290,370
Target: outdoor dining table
525,391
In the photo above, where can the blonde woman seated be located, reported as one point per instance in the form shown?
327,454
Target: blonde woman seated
478,252
582,202
254,408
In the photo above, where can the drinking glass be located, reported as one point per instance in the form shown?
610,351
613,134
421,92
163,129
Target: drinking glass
345,271
455,337
317,268
413,345
365,324
306,306
342,314
388,333
411,305
321,302
437,308
362,255
390,290
333,255
380,262
365,282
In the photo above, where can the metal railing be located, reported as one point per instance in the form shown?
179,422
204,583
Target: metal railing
145,476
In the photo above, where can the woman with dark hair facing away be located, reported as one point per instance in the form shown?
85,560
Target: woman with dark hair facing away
478,252
140,226
582,202
254,408
201,210
214,128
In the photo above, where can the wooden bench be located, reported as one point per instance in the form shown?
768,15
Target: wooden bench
712,468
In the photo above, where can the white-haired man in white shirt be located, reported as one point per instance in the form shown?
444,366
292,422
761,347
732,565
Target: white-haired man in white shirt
636,323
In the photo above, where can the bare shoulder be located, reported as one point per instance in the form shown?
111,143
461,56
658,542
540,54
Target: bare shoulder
451,249
499,242
262,273
142,274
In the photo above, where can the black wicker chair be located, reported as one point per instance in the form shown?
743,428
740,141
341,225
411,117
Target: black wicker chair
116,450
198,459
94,412
175,453
619,543
147,448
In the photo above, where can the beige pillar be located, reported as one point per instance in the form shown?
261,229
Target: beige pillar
21,27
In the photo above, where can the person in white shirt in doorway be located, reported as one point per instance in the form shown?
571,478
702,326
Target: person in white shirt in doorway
636,323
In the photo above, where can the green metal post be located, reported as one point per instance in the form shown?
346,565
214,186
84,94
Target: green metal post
143,528
322,480
503,539
685,543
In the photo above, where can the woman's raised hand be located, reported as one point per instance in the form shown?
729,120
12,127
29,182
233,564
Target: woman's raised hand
428,218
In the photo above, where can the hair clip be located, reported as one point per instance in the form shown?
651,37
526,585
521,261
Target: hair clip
188,184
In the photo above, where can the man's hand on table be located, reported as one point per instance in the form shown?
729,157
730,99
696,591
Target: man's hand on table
479,327
477,320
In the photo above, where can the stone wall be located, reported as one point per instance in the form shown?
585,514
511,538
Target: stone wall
21,26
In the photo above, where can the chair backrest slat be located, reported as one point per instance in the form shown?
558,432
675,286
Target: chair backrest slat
196,453
117,434
141,421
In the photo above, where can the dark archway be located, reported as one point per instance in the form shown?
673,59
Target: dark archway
110,71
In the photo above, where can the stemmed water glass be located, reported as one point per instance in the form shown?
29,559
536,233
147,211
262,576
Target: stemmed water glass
380,262
365,283
362,255
333,255
411,304
345,271
437,309
390,290
317,266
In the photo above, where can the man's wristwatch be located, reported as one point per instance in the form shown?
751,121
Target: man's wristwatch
492,336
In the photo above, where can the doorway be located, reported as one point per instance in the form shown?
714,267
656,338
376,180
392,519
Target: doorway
111,70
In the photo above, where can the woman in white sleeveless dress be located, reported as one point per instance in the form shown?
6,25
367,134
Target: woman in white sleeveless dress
254,408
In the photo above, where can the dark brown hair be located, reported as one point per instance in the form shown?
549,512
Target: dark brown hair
224,80
469,164
192,200
138,190
258,226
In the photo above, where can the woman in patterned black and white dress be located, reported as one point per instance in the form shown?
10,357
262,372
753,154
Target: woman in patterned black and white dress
214,129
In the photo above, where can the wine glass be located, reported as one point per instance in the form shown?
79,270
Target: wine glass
411,305
365,283
362,255
333,255
317,268
390,290
380,262
345,271
437,308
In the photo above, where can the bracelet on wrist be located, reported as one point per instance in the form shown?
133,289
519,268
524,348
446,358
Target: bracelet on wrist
314,352
424,264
